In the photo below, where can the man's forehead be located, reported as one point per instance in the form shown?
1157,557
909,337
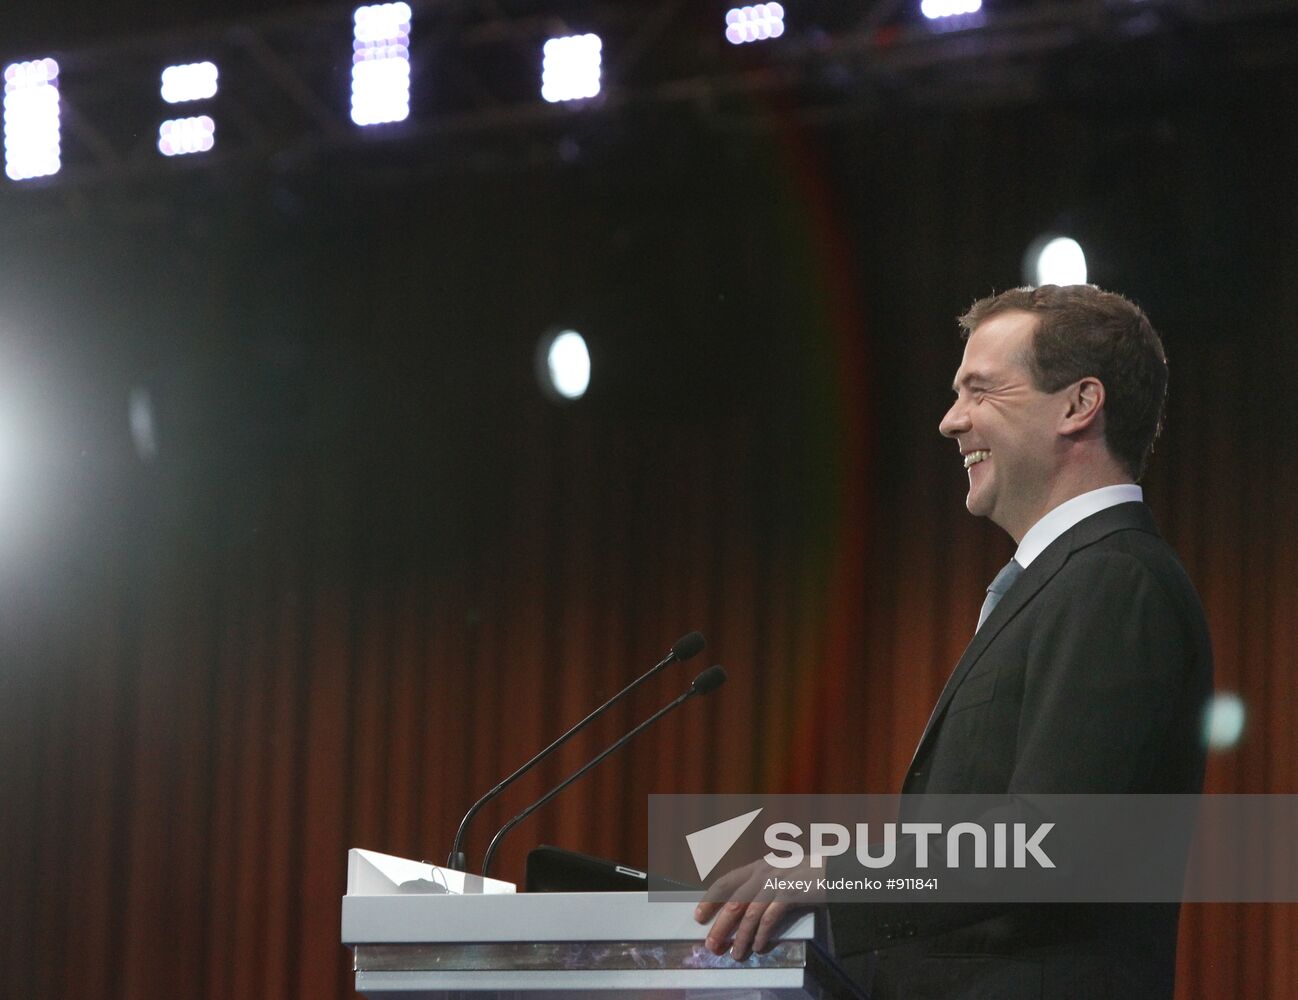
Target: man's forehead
996,348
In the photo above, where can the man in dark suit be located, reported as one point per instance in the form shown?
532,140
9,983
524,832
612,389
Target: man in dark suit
1089,670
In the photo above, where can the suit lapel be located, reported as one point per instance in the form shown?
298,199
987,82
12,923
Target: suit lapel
1027,586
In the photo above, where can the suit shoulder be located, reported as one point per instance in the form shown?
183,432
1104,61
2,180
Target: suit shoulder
1136,547
1134,555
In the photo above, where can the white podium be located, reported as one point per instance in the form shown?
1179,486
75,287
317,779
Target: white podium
418,931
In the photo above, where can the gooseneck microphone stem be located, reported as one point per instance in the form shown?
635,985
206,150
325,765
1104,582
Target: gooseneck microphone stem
685,647
705,683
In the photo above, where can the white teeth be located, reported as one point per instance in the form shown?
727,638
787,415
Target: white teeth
974,457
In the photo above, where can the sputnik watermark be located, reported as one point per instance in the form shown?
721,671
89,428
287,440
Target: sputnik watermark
829,840
965,848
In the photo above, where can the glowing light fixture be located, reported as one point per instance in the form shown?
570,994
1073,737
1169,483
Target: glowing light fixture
936,9
570,67
381,64
1223,721
33,143
754,24
1055,260
143,426
563,364
189,82
183,136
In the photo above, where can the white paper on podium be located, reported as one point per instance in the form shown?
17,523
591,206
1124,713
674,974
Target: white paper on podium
370,873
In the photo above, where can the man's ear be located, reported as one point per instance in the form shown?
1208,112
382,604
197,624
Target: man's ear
1085,399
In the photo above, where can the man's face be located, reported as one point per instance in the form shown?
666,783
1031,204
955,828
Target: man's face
1005,426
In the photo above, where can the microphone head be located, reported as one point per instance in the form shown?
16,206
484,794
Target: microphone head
709,680
688,646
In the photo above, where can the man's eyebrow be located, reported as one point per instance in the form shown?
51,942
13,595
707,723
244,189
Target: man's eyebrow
971,378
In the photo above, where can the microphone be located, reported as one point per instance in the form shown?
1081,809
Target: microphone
685,647
707,682
704,683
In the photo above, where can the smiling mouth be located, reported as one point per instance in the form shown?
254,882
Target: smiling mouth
974,457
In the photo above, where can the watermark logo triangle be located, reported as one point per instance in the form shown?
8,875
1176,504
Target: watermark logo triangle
709,845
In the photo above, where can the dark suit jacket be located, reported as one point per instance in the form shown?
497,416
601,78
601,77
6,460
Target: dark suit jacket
1090,676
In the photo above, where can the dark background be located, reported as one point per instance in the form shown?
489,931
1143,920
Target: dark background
371,567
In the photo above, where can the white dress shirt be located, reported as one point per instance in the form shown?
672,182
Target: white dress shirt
1069,513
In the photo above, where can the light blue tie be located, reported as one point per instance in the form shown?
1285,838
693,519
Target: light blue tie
1003,582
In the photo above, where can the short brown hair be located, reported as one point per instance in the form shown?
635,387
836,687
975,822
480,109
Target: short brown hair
1083,331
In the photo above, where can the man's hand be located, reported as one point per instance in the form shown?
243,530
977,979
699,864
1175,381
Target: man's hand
748,911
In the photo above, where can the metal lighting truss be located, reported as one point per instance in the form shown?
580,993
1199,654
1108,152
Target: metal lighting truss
475,81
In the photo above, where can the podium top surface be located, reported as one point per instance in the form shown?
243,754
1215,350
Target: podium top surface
396,901
550,916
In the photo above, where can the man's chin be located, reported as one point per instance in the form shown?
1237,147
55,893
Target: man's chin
976,504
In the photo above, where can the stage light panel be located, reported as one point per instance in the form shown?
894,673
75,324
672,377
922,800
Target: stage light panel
935,9
570,67
755,23
182,136
189,82
32,127
381,64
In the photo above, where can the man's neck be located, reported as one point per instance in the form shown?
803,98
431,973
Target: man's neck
1066,488
1072,511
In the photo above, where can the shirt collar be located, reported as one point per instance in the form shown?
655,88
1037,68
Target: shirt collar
1069,513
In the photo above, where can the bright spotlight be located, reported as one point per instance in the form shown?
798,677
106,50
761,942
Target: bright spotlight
381,64
935,9
189,82
182,136
1223,721
1055,260
754,24
31,119
563,364
570,67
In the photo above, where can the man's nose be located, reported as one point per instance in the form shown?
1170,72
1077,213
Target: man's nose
955,422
